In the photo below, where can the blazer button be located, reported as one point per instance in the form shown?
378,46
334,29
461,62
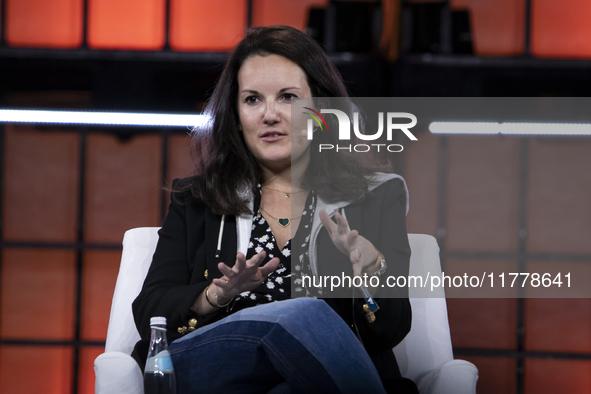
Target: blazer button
182,330
206,274
193,323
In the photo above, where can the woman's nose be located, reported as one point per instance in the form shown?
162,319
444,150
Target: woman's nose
271,113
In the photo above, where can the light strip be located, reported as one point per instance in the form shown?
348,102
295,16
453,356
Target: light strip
510,128
102,118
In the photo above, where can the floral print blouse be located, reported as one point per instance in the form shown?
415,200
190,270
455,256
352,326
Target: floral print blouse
278,285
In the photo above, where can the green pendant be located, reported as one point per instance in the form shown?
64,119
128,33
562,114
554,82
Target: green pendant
283,222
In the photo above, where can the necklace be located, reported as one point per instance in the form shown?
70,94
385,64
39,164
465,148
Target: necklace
287,194
283,222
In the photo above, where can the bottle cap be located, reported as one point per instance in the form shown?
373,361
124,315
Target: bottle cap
158,321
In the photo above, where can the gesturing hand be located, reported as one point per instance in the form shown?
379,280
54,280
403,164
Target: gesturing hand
361,252
244,275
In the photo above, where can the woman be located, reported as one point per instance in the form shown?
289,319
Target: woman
253,174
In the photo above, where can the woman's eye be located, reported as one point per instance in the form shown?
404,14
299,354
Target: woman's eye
289,96
251,99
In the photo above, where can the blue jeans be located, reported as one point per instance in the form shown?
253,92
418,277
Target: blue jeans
302,342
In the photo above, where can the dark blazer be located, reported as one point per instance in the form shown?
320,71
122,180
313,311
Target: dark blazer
186,252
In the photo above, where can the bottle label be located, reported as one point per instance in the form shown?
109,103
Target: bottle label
160,362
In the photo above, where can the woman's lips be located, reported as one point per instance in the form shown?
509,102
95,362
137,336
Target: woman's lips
272,136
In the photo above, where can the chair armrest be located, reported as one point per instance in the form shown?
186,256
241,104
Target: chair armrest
453,377
117,373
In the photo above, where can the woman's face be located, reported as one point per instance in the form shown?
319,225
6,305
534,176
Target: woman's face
267,85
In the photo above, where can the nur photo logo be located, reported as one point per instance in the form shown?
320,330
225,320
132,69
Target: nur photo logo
388,122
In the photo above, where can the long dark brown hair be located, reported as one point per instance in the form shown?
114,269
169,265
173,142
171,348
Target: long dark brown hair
224,164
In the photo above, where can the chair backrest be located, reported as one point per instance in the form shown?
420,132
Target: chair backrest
138,247
427,346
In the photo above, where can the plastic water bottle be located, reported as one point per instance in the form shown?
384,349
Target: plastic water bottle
159,374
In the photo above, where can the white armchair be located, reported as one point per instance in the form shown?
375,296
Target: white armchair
425,355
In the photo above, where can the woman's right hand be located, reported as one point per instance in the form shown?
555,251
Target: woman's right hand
245,275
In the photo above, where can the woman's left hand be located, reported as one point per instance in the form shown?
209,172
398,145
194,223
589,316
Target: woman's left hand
361,252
